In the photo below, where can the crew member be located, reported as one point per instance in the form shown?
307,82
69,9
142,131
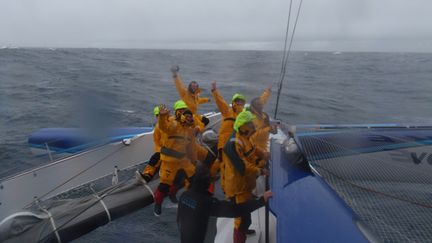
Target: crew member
241,169
191,94
154,163
197,205
179,135
229,115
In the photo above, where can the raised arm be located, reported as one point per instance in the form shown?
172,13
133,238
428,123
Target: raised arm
181,88
163,120
219,100
265,95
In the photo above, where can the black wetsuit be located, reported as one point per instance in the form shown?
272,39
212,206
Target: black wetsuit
195,208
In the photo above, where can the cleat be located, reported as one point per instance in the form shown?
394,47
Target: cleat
157,211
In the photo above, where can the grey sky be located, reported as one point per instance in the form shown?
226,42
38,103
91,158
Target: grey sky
329,25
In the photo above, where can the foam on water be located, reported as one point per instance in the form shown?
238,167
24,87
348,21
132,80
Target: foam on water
71,87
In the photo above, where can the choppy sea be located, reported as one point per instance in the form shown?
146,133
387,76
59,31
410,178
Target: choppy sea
42,88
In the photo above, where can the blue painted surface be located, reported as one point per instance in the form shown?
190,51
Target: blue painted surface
72,140
307,210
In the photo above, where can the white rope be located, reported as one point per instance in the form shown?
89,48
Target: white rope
52,224
150,190
104,206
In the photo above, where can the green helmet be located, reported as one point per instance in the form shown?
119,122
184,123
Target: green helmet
238,96
243,117
180,104
156,111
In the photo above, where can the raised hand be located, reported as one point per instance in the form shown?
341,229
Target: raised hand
269,87
213,85
163,110
175,69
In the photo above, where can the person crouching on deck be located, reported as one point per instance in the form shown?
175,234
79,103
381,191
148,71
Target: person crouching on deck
179,132
154,163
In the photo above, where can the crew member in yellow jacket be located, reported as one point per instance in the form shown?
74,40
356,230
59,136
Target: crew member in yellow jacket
191,94
240,160
263,127
179,136
228,116
154,163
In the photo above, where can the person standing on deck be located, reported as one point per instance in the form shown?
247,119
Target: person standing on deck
241,164
229,115
179,136
263,127
197,205
190,95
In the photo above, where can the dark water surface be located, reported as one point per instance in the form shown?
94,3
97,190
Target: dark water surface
64,87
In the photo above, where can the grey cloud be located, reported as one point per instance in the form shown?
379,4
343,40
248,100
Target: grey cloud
387,25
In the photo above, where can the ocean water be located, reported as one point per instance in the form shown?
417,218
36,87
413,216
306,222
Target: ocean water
74,87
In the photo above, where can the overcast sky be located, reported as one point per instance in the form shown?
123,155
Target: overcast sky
326,25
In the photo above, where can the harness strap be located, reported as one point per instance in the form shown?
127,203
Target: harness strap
172,153
179,137
247,153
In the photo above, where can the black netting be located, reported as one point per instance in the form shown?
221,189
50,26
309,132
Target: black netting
384,175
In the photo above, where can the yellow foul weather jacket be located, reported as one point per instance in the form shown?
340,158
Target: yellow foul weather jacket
241,167
228,118
191,100
175,149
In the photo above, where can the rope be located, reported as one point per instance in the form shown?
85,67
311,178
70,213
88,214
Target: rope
103,203
98,200
284,63
79,173
286,53
55,229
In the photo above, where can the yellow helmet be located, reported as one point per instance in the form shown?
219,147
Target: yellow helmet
156,111
243,117
180,104
238,96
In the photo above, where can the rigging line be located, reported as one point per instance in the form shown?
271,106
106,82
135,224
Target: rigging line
286,60
90,206
291,41
286,42
79,173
